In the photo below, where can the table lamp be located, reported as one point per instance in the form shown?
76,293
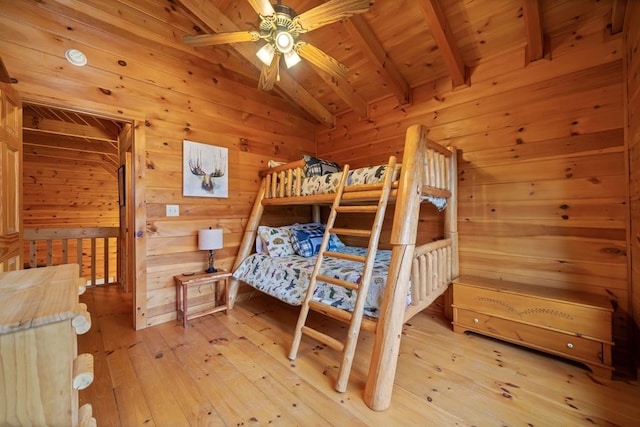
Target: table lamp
209,240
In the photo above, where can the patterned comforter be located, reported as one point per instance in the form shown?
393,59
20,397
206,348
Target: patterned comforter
287,278
327,184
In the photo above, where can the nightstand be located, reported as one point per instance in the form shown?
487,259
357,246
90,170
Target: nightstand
219,282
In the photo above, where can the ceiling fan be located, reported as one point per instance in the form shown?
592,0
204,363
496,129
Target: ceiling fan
280,27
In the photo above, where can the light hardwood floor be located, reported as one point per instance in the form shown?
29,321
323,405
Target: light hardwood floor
233,370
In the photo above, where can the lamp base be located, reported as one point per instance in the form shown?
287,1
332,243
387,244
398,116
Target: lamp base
211,268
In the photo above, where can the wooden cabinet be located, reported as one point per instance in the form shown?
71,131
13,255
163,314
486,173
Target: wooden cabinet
570,324
40,370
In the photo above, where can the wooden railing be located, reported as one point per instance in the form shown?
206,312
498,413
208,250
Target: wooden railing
94,249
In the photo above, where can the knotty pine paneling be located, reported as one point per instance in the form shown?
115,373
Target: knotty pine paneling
67,193
542,184
71,194
632,61
139,68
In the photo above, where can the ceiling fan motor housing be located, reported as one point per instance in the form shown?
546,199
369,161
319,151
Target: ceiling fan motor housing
280,28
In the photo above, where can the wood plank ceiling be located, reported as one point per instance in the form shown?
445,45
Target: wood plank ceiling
393,48
396,45
54,133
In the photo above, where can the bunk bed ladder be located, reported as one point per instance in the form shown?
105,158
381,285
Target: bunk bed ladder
355,318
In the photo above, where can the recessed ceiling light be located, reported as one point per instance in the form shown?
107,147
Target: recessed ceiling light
76,57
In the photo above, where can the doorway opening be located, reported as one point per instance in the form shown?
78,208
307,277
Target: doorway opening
77,191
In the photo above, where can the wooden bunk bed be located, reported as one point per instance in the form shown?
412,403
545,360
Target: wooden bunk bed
428,170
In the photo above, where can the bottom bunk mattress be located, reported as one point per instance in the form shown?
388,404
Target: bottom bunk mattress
287,278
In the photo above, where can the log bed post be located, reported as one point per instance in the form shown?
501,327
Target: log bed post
248,240
384,359
451,228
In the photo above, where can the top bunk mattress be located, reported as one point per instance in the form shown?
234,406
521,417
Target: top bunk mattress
326,181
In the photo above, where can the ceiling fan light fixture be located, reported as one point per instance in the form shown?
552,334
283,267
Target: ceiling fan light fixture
291,58
284,41
266,53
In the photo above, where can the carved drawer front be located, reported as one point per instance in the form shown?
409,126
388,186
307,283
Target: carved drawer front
553,313
531,336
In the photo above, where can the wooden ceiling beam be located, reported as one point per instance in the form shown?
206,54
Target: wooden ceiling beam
618,11
67,129
386,68
213,18
442,34
69,142
4,73
67,154
532,11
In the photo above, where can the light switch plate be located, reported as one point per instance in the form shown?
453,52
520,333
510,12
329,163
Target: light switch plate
173,210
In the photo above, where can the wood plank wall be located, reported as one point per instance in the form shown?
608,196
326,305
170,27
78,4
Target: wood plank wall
632,53
542,184
67,193
135,73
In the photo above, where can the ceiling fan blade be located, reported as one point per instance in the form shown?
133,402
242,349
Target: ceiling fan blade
269,74
262,7
221,38
321,60
330,12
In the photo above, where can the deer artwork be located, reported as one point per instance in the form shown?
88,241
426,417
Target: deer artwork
219,169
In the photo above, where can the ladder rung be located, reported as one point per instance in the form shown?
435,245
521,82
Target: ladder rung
331,311
342,315
357,209
323,338
349,257
351,232
338,282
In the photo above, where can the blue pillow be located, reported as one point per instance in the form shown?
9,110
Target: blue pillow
318,167
306,241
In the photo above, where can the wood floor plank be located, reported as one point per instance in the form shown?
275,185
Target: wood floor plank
556,384
243,355
315,367
132,405
297,388
100,394
233,370
162,403
231,409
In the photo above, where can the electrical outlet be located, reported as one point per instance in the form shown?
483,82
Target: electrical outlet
173,210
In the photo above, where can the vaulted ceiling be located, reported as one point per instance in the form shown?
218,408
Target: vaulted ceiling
396,46
391,50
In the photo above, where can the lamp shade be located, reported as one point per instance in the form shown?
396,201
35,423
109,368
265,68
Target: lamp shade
210,239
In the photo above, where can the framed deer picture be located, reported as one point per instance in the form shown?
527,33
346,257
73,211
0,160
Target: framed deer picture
204,170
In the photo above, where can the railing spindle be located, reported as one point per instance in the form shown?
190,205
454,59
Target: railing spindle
56,243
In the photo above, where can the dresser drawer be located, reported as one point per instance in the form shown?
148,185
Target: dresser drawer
39,364
571,346
523,305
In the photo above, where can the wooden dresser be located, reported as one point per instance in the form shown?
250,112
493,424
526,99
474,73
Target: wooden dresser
40,370
570,324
